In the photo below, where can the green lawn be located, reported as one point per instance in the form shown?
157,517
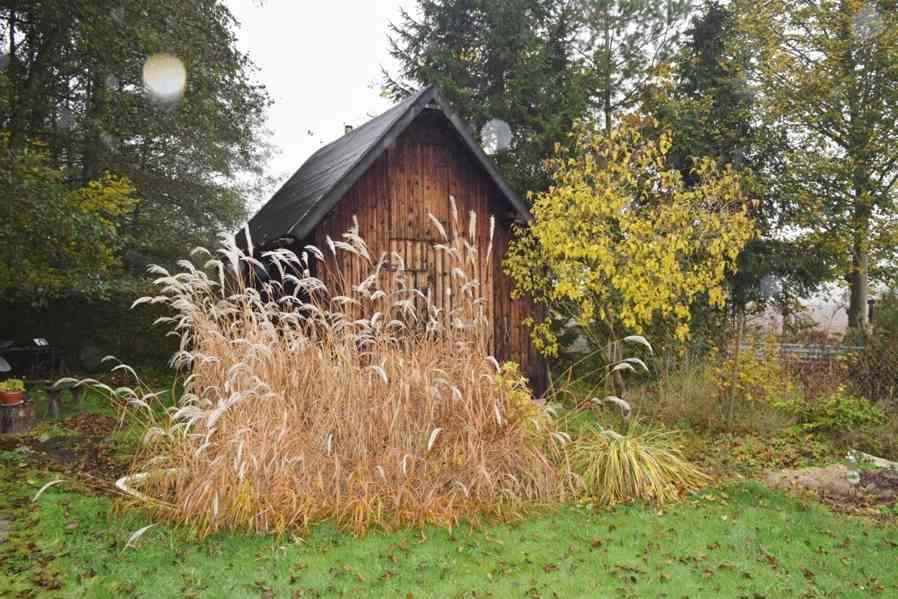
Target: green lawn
742,540
738,540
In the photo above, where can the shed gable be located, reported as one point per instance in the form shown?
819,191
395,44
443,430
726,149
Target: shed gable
326,177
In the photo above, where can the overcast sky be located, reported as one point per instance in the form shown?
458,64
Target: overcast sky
321,64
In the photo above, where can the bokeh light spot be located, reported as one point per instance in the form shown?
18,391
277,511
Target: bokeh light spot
165,77
866,22
770,286
495,136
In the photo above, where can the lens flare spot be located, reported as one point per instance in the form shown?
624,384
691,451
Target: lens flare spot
495,136
866,22
165,77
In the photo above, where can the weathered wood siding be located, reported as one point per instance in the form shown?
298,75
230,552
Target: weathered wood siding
392,202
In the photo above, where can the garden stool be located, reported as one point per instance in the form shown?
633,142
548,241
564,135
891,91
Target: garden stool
17,419
54,394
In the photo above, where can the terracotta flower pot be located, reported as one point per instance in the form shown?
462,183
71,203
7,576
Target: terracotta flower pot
12,398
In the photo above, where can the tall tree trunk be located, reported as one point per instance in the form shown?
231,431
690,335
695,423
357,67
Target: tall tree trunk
93,145
858,138
860,250
857,278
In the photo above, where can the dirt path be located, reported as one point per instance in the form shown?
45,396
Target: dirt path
874,495
86,450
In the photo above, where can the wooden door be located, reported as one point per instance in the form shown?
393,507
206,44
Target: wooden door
420,188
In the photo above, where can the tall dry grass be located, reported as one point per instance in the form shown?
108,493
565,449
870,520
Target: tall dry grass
302,404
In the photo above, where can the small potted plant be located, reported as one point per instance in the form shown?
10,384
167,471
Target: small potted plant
12,392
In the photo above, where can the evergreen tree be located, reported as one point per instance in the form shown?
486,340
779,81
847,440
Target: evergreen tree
512,60
624,44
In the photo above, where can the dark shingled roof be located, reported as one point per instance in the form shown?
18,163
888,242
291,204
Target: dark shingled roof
324,179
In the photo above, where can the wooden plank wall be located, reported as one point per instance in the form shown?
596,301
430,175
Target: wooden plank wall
392,203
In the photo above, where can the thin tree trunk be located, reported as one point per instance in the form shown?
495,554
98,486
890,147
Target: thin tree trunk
857,281
607,91
93,147
860,248
734,376
12,72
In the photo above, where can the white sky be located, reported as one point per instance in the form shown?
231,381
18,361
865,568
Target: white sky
320,61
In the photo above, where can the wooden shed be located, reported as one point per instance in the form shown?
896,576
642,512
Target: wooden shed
390,174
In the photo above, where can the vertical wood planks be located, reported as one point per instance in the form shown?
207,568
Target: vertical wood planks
392,202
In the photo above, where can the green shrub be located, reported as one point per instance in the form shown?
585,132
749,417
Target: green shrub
880,439
758,375
83,331
839,410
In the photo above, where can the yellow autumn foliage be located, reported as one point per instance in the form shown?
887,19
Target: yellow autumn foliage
619,240
105,199
758,375
57,237
520,405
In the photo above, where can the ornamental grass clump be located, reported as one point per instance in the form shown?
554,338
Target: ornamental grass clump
361,403
641,464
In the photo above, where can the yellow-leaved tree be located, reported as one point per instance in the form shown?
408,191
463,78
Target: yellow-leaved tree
57,240
620,242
